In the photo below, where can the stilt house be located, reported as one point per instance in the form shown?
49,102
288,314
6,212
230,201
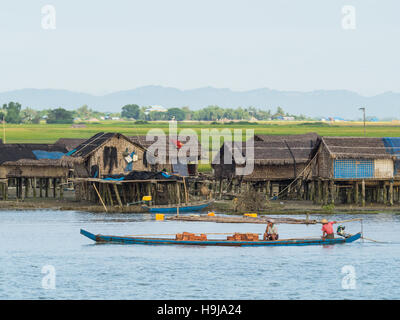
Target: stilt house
278,161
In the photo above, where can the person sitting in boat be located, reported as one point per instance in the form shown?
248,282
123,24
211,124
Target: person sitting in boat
271,233
327,229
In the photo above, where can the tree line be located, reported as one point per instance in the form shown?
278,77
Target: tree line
13,113
210,113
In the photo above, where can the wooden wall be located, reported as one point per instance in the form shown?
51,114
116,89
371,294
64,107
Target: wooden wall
97,158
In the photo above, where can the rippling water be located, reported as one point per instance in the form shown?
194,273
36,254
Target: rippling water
31,240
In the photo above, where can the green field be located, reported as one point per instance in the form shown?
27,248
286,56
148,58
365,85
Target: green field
46,133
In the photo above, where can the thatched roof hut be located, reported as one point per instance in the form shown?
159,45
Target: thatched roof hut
108,153
32,160
353,158
283,158
18,151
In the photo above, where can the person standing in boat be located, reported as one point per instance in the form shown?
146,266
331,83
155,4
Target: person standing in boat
271,233
327,229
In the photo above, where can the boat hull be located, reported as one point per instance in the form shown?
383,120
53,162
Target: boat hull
183,208
156,241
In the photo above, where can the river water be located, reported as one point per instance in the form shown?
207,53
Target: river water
43,256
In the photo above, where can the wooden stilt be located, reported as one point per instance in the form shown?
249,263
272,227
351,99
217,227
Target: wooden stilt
363,193
117,195
46,188
54,188
332,192
356,196
391,193
62,184
27,181
34,187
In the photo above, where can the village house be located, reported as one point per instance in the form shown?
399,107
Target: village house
107,154
278,162
29,167
113,169
357,170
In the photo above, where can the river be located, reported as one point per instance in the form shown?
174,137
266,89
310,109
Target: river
43,256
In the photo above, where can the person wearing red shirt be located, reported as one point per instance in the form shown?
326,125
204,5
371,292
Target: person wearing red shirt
327,229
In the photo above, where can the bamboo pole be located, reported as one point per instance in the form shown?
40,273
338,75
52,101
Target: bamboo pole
102,202
117,194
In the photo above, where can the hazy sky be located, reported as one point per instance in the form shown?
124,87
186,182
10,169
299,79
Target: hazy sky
104,46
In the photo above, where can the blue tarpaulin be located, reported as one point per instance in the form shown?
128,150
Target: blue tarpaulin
392,146
54,155
114,179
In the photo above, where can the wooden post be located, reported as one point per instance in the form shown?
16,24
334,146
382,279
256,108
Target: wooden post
363,193
117,195
220,189
268,191
102,202
46,188
6,190
332,192
356,197
108,190
326,192
27,187
391,193
349,194
62,181
34,187
385,197
179,198
54,188
319,192
21,187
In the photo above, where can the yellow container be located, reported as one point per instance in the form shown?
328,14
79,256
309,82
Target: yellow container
146,198
253,215
211,214
159,216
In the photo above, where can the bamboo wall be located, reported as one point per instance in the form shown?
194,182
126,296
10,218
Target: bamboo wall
97,158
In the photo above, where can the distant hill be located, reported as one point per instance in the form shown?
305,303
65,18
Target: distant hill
340,103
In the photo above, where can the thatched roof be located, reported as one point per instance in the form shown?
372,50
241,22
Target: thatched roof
356,148
69,143
90,145
39,163
190,141
275,153
284,150
19,151
310,136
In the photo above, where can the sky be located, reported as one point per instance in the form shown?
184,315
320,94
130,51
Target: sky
101,46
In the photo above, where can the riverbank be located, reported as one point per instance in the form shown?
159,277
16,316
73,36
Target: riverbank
222,206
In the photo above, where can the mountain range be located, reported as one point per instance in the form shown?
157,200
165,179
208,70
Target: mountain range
318,103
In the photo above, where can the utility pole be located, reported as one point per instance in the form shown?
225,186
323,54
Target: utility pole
365,131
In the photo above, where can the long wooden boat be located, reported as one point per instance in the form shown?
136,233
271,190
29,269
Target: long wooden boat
190,207
163,241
